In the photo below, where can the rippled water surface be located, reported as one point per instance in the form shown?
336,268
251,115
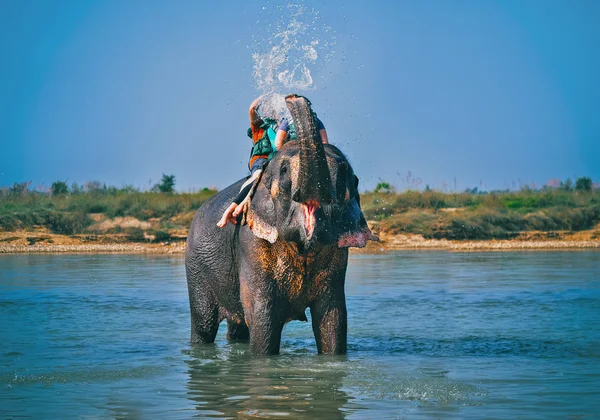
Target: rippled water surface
431,335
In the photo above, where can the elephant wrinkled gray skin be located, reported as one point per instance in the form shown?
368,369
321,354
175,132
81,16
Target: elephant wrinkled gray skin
291,255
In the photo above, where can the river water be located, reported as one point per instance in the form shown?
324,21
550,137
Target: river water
431,335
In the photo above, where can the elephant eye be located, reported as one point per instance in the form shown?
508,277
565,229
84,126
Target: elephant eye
285,182
352,187
341,181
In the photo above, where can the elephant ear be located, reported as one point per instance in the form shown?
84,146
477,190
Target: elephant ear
354,230
261,215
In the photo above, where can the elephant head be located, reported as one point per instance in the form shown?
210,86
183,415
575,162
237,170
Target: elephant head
307,195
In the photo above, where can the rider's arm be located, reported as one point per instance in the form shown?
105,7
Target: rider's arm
282,133
254,117
280,139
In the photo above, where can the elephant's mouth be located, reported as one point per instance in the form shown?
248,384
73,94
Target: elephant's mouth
310,221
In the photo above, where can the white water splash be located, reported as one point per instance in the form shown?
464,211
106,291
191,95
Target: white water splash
289,44
272,105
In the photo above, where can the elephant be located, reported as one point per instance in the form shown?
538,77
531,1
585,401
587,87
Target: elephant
291,254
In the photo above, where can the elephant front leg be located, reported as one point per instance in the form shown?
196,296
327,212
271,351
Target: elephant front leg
264,323
205,321
330,324
204,312
265,334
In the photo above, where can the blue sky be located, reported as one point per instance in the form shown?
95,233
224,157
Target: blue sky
466,93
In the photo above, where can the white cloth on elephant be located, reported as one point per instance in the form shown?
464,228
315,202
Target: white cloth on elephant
251,179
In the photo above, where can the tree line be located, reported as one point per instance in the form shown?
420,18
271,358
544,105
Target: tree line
61,188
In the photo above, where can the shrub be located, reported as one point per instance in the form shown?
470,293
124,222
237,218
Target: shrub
97,208
60,188
383,187
412,221
64,223
567,185
174,209
583,184
166,185
95,187
162,236
76,188
19,189
135,235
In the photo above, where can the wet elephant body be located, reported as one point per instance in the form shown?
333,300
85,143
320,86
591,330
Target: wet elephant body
291,255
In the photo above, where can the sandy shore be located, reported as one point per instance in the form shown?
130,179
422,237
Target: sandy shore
43,242
125,248
417,242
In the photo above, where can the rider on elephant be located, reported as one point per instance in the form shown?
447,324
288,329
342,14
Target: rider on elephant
269,131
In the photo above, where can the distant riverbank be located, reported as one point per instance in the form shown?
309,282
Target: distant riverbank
109,219
42,242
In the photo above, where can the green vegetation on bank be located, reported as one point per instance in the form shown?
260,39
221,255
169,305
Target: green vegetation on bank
70,211
488,215
434,214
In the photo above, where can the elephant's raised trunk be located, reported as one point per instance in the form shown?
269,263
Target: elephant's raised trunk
314,181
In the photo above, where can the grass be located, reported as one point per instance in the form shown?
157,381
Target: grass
69,214
433,214
498,215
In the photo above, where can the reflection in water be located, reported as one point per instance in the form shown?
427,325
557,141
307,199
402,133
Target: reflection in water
228,382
